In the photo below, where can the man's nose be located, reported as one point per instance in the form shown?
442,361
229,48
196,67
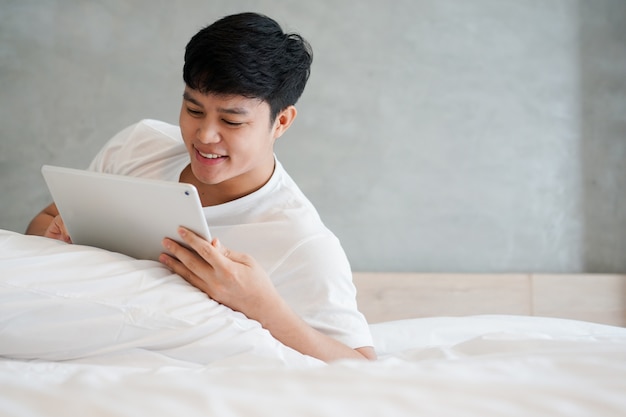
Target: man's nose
208,133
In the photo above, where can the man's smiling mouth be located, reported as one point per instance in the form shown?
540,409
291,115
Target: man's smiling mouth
210,155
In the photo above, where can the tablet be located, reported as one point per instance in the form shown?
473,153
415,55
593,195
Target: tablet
124,214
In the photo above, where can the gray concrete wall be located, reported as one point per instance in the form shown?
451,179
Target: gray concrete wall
451,135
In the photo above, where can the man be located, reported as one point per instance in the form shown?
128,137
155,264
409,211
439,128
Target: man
272,258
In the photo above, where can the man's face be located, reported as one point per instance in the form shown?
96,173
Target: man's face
230,141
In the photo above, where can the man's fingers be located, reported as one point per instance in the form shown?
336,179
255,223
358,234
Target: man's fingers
210,252
56,230
64,235
189,259
234,256
175,264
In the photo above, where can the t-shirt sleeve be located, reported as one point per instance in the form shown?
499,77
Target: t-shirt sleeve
107,159
316,280
145,149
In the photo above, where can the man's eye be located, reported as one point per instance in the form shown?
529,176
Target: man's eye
194,112
231,123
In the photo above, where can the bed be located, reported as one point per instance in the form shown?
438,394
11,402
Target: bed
89,332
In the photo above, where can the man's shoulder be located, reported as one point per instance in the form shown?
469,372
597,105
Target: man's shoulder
140,148
148,135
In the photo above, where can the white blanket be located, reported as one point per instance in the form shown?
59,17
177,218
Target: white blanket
68,302
89,332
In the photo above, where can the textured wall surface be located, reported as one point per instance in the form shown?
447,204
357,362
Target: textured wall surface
449,136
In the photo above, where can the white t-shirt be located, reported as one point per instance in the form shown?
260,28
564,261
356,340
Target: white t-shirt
277,225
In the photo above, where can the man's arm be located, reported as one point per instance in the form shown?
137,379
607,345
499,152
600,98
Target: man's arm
49,223
237,281
283,323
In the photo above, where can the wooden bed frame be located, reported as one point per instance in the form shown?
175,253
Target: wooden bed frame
598,298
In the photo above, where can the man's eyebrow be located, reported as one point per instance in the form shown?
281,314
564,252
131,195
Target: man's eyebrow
233,110
228,110
188,97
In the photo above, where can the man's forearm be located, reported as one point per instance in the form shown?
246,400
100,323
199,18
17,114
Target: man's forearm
287,327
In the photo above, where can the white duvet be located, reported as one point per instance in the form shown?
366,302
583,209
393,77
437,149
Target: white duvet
93,333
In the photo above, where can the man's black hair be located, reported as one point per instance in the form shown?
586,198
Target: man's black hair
248,54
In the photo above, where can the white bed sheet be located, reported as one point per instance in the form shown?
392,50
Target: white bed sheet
87,332
502,372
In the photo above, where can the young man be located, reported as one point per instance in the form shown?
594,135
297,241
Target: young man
272,258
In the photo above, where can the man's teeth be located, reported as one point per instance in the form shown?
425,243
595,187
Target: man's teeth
209,155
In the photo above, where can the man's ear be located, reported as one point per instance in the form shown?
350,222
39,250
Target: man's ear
284,120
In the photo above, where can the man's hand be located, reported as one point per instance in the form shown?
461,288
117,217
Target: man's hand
49,223
57,230
230,278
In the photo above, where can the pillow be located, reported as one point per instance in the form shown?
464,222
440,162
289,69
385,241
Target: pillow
421,333
63,302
